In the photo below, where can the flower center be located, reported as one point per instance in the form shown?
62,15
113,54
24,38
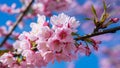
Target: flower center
63,35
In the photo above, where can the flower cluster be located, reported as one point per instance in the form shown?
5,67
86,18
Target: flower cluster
9,9
54,40
45,7
44,43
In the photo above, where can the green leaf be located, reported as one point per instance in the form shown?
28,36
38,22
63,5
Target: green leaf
33,44
104,16
89,41
94,11
88,19
105,6
75,34
3,51
95,21
19,59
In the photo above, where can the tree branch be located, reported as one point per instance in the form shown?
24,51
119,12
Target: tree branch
20,17
110,30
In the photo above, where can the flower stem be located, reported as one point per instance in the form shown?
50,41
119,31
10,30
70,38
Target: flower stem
110,30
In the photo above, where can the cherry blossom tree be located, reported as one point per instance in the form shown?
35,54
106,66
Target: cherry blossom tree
55,38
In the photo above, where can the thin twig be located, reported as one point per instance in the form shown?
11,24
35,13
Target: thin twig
110,30
20,17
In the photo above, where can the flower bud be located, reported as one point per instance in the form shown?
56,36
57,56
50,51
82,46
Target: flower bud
114,20
87,52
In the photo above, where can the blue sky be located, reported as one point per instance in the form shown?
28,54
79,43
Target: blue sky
91,61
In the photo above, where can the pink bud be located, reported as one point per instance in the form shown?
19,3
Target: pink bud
96,47
9,23
87,52
8,45
46,24
114,20
95,44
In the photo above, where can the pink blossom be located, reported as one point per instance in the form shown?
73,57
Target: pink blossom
42,32
73,24
44,44
8,46
60,20
9,23
80,49
69,49
7,59
59,56
64,34
63,20
114,20
87,51
33,57
3,31
58,5
48,56
46,7
21,65
15,35
55,44
11,9
41,20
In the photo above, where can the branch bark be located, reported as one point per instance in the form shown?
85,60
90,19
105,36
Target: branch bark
20,17
110,30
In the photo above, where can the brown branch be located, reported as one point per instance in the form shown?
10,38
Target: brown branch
20,17
110,30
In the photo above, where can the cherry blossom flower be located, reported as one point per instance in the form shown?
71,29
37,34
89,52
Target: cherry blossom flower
12,9
7,59
44,44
